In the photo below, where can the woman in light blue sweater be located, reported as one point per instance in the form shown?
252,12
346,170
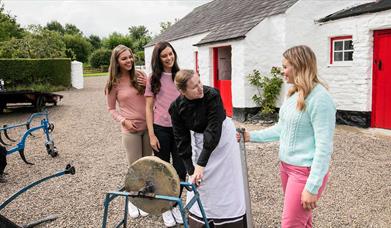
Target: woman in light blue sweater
305,130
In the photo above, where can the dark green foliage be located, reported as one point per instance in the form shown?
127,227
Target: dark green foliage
139,56
39,43
100,57
140,37
95,41
115,39
71,29
9,28
268,87
55,26
28,72
79,45
138,32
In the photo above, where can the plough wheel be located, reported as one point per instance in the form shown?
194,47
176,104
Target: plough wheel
156,175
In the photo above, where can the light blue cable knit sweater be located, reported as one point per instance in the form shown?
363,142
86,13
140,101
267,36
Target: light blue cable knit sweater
306,137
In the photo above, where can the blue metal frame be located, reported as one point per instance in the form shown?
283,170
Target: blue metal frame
68,170
183,209
44,125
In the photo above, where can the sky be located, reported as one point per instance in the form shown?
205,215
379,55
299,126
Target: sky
101,17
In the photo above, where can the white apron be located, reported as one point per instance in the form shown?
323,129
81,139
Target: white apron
221,190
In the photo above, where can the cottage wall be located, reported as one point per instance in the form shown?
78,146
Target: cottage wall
262,50
350,84
185,51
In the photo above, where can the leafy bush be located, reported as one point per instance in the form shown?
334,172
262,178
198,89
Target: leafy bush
100,57
79,45
27,72
139,58
268,87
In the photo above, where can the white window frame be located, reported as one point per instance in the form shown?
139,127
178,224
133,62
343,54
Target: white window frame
342,62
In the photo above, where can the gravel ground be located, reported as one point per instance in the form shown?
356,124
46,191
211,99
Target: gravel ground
357,195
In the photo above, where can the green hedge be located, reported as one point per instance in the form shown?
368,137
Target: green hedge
27,72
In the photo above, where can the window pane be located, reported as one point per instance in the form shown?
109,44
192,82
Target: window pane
337,56
348,45
348,56
338,45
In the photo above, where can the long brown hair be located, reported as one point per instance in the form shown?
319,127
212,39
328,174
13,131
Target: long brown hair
305,72
114,71
157,66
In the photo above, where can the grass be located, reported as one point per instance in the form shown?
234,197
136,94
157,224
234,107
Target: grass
39,88
96,74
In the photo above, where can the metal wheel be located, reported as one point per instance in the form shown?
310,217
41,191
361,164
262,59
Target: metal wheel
152,175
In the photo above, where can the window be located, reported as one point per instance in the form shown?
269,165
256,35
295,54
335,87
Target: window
341,49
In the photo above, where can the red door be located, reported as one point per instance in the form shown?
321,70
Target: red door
381,87
222,76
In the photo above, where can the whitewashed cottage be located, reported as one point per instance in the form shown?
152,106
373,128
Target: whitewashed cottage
225,40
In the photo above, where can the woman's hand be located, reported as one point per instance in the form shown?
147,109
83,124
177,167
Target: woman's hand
308,200
197,176
129,125
154,143
141,77
246,136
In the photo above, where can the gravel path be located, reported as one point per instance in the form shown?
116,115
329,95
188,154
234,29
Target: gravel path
358,193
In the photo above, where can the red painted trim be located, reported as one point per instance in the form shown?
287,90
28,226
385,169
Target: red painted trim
376,36
197,69
374,73
382,32
332,39
215,66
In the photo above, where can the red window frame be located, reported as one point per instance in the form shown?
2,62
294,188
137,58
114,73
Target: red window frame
332,45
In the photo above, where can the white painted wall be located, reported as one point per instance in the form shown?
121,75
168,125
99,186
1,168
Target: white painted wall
349,85
352,85
184,49
262,50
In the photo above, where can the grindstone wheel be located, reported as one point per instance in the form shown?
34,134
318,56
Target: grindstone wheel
158,177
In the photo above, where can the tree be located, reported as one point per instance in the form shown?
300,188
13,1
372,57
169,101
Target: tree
72,30
137,32
95,41
164,25
39,43
140,37
100,57
9,28
79,45
115,39
55,26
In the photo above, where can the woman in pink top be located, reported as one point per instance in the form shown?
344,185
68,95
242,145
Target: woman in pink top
126,87
160,92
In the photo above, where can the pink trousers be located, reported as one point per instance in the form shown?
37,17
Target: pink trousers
293,179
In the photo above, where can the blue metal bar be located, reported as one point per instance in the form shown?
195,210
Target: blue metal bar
21,144
183,209
68,169
29,120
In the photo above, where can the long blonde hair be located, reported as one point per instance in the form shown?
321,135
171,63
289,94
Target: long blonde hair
114,70
305,72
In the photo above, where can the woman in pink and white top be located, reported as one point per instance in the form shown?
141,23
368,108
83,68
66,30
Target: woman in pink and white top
126,87
160,92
